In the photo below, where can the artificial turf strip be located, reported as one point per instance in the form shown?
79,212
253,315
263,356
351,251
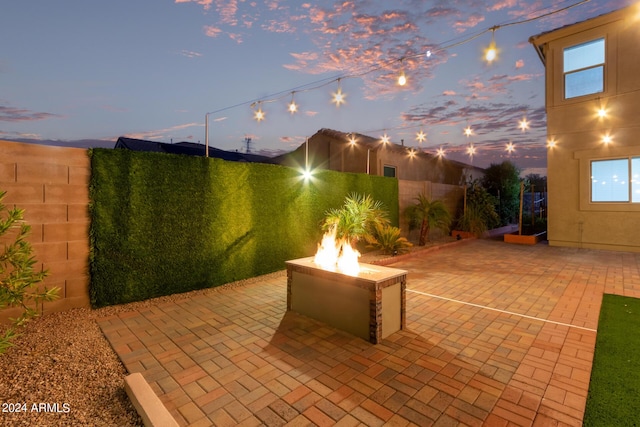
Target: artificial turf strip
614,390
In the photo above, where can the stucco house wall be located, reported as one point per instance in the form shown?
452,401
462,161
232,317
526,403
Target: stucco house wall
576,133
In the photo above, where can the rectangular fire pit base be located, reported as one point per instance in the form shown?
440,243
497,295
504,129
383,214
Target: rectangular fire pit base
371,305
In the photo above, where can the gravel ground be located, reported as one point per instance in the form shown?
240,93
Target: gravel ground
63,360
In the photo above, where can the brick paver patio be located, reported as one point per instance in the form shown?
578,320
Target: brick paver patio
497,334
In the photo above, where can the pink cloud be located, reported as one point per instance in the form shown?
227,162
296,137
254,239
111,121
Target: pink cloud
190,53
236,37
205,3
274,26
449,93
503,4
212,31
10,114
519,63
473,20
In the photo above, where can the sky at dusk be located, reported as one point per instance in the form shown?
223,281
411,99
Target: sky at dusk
151,69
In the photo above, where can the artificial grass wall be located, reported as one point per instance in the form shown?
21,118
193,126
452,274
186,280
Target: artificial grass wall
163,224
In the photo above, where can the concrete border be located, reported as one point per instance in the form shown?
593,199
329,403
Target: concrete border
147,403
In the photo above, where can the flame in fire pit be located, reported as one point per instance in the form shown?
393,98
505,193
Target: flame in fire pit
337,255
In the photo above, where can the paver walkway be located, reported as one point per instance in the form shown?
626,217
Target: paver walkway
497,334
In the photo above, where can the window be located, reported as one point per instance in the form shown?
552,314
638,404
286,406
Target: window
616,180
390,171
584,69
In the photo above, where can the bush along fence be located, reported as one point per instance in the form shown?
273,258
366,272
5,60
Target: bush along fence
164,224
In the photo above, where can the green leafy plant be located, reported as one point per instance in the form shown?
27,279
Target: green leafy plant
473,220
480,214
357,218
502,181
388,239
428,214
18,279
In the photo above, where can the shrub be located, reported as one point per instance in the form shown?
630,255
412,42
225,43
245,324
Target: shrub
480,214
387,238
18,280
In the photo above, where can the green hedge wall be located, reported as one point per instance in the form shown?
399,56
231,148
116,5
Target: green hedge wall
163,224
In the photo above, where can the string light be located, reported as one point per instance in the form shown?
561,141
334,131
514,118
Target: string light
491,53
402,78
551,143
421,136
259,114
523,124
385,138
510,148
440,153
602,112
338,96
412,153
293,108
352,139
468,132
471,150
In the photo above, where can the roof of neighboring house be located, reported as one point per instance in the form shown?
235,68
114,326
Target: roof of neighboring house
374,144
189,149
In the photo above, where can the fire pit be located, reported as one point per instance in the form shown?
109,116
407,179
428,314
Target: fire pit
369,303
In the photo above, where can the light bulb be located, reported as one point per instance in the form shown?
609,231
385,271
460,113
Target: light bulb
259,115
385,139
491,53
523,124
471,150
338,96
421,136
402,79
510,148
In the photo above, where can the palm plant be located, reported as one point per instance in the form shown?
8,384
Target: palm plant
387,238
428,214
357,218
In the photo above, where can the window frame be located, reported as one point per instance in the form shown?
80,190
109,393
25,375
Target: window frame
585,157
583,69
395,171
628,179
